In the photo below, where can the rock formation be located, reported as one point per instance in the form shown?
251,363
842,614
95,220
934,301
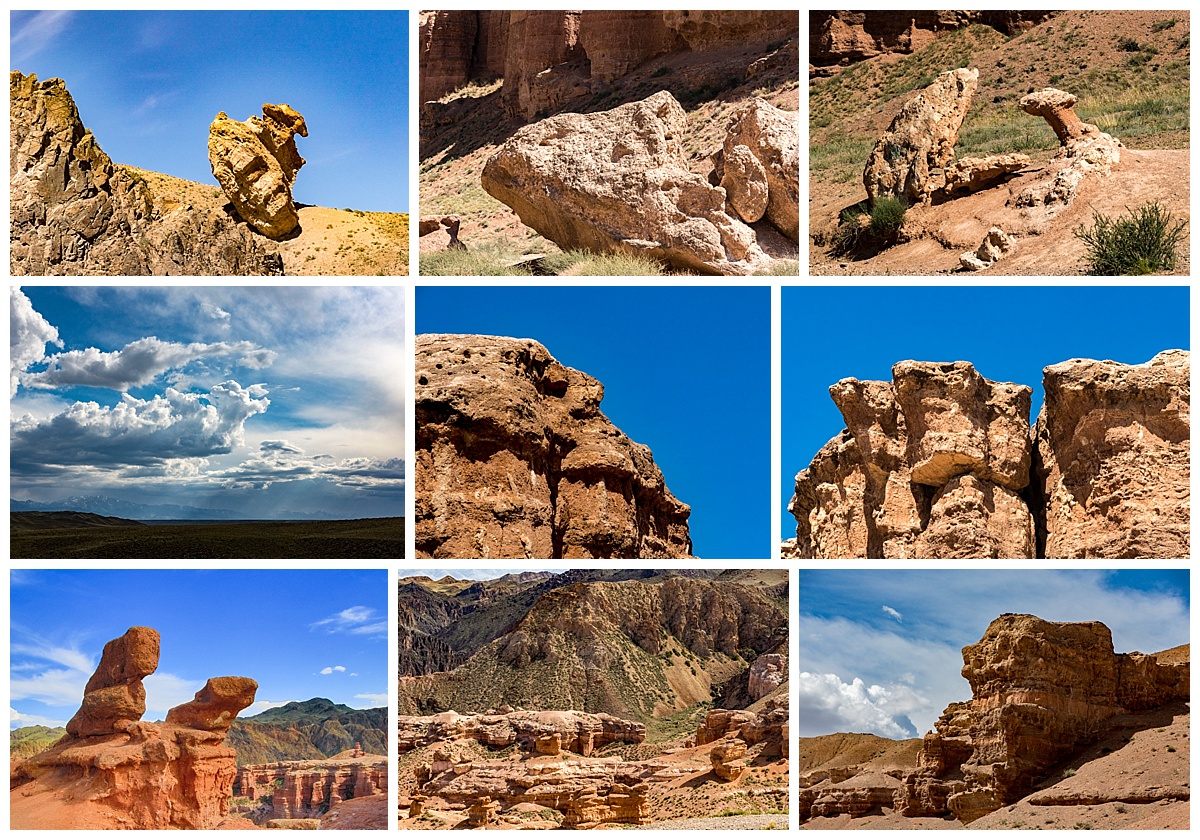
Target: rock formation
995,245
767,673
920,138
255,162
1040,691
938,462
969,174
308,789
75,212
1083,149
112,771
515,459
1111,458
931,465
759,167
576,731
617,182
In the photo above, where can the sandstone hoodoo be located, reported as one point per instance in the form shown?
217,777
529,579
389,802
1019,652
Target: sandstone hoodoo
592,697
942,463
112,770
515,459
1043,693
255,162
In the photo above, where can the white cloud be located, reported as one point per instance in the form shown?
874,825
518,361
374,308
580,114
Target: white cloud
260,706
893,613
354,620
32,33
54,687
827,704
138,363
330,670
29,333
374,699
166,691
16,720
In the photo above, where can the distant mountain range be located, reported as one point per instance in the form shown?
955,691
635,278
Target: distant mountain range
109,506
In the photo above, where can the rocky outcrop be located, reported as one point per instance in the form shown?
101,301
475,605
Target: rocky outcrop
940,463
446,42
920,139
767,673
74,212
930,465
729,759
112,771
618,182
760,166
308,789
1040,691
1111,461
576,731
969,174
749,727
995,246
255,162
1083,150
515,459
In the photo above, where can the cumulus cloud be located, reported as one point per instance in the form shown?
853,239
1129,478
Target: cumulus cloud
828,704
279,460
354,620
139,432
138,363
16,720
164,691
260,706
893,613
339,668
374,699
29,333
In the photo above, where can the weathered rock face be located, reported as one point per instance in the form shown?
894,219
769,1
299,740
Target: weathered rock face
446,40
75,212
308,789
539,43
931,465
515,459
255,162
1041,690
768,672
576,731
994,247
749,727
920,138
111,771
761,166
969,174
617,182
1084,150
937,464
1112,458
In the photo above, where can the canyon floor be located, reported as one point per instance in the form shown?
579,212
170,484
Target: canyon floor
1130,70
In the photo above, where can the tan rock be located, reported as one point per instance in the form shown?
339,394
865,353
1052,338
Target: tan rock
445,44
709,29
1113,464
617,182
767,673
995,245
314,788
1084,151
255,162
970,174
729,759
920,138
858,796
540,45
515,459
1057,107
762,166
578,732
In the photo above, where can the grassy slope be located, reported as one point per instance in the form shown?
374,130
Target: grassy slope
352,539
1139,95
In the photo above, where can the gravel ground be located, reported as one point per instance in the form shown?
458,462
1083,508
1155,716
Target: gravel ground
745,821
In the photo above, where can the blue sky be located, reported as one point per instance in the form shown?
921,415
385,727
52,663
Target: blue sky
686,371
881,651
1009,333
147,85
301,634
265,400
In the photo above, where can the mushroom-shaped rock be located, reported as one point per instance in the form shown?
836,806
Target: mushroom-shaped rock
1057,107
255,162
215,705
115,692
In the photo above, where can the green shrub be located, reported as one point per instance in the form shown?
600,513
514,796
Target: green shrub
1127,44
887,214
1160,25
1142,242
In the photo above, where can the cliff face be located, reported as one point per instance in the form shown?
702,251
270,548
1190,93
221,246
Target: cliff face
549,57
515,459
74,212
942,463
308,789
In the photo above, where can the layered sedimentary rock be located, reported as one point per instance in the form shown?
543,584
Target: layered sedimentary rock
618,182
1040,691
930,465
515,459
75,212
576,731
941,463
920,138
1112,464
112,771
539,43
255,162
749,727
1083,150
760,166
308,789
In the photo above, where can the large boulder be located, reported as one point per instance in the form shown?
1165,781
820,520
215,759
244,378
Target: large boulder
515,459
761,161
1112,458
617,182
255,162
920,139
115,694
